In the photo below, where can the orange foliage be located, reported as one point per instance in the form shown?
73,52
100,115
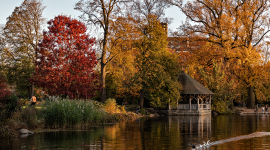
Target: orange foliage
121,68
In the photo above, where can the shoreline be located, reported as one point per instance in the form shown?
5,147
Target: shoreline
246,111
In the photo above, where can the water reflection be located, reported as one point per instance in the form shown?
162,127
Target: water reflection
172,133
198,125
191,129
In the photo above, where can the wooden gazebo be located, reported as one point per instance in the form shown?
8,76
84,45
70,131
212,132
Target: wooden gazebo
195,98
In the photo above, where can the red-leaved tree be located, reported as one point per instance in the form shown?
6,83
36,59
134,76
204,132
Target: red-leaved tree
66,60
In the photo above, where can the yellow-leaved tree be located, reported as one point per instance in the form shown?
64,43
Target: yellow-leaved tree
101,14
232,25
121,69
20,38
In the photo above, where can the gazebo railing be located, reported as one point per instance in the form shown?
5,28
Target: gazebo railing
194,107
183,106
204,107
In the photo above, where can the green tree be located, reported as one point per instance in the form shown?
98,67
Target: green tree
18,74
217,82
157,68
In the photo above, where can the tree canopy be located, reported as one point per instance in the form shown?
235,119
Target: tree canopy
19,41
66,60
23,30
101,13
236,27
158,69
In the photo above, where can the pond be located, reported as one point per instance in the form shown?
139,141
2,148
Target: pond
158,133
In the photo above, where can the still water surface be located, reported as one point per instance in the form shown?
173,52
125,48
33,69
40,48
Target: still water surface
159,133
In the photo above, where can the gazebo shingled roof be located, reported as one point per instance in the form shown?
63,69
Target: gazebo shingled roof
191,86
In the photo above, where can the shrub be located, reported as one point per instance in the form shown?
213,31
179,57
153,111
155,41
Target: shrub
31,117
11,103
110,106
143,111
220,107
25,101
125,116
25,118
7,133
122,109
9,106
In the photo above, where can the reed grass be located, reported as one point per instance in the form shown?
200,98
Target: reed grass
59,112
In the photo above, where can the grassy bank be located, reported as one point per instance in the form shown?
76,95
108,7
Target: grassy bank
57,113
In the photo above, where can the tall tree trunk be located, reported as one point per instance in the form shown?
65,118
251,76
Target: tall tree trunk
256,99
133,100
29,92
32,90
231,105
250,100
141,98
103,76
103,63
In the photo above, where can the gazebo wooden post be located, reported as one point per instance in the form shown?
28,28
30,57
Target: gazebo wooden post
210,102
189,102
197,102
177,105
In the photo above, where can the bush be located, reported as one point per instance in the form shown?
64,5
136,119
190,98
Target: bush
110,106
221,108
26,118
122,109
31,117
9,106
11,103
7,133
143,111
25,101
